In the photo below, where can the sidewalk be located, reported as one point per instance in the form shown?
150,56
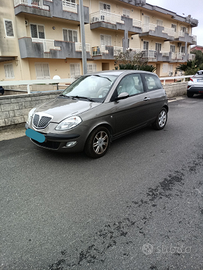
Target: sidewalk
16,131
12,132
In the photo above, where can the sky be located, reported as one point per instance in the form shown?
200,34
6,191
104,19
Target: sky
185,8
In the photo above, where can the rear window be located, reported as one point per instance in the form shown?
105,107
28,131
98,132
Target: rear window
199,72
152,82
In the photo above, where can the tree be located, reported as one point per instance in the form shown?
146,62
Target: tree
132,60
194,65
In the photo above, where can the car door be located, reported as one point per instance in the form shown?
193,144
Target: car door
130,112
155,94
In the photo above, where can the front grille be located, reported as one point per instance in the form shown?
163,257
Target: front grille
48,144
41,122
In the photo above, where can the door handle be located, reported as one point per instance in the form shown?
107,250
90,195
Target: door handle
146,98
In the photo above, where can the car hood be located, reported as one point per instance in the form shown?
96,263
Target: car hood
61,108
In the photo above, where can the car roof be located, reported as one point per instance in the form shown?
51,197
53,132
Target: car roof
119,72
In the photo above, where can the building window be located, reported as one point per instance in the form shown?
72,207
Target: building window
159,22
42,71
9,28
126,13
91,68
70,35
105,7
184,29
146,45
172,48
74,70
146,20
105,40
37,31
174,26
158,47
182,49
9,74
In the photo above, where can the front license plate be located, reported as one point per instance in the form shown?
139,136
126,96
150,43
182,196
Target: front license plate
35,135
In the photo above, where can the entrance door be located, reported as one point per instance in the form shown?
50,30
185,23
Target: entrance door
105,66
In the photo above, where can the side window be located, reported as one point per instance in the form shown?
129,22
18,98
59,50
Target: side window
131,84
152,82
9,28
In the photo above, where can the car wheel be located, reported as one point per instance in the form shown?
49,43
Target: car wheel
97,143
189,94
161,120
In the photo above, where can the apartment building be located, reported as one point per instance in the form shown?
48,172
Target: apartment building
41,38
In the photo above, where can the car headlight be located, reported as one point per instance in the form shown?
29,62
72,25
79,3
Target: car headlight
69,123
30,114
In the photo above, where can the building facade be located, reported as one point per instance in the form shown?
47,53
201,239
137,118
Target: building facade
41,38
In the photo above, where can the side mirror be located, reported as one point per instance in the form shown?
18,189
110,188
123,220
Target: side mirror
122,96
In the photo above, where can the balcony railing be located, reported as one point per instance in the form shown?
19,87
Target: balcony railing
177,56
31,3
151,54
78,46
194,38
169,31
137,23
48,44
165,53
68,6
136,50
191,57
103,16
117,50
148,27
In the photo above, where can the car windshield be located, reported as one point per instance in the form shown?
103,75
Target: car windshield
90,87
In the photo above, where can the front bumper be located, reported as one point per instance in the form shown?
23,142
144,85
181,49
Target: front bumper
58,142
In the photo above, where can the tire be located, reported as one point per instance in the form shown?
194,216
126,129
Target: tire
97,143
189,94
161,120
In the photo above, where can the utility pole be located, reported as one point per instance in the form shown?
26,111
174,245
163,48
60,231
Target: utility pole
82,30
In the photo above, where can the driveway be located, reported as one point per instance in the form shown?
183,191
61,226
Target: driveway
139,207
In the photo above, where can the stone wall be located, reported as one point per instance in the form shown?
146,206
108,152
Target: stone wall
176,89
14,108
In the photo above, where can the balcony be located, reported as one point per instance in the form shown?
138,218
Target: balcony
178,57
191,56
49,8
156,31
151,55
68,6
117,50
103,52
47,48
135,2
112,21
185,37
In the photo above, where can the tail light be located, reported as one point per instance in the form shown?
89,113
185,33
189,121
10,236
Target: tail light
191,79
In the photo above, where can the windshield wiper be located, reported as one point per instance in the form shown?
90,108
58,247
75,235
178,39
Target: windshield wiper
78,97
62,95
103,77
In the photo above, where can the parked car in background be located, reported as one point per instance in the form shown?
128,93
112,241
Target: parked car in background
97,109
1,90
195,84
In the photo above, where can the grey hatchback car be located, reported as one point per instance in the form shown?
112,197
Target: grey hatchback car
98,108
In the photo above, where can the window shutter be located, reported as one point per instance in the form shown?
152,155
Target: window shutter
9,73
42,71
33,30
41,31
75,36
65,35
9,28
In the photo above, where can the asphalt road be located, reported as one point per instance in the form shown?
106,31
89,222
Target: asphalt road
140,207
